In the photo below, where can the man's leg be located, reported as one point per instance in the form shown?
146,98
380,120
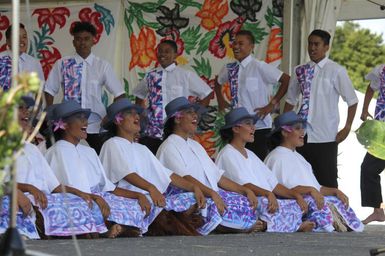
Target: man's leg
260,146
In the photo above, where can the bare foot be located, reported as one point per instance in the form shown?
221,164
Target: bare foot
114,231
377,215
260,226
306,226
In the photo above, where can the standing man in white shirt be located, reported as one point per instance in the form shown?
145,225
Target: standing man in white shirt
321,82
163,84
82,77
250,84
27,63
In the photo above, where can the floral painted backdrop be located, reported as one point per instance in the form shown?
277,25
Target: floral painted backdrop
129,31
204,32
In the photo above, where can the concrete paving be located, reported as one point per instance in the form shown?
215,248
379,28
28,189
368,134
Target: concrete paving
239,244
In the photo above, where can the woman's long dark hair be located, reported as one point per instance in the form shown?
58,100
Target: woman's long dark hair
169,127
227,135
276,139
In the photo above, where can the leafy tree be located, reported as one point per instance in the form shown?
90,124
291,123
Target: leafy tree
358,50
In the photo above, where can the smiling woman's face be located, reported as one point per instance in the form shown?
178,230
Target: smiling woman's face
188,121
76,128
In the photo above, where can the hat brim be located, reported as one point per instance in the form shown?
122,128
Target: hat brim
110,122
254,117
197,107
28,101
277,129
85,111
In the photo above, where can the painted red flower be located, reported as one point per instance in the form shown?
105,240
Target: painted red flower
211,83
48,59
86,14
220,45
51,17
4,24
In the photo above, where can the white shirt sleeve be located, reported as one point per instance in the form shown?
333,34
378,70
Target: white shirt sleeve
141,89
345,88
269,74
170,157
113,85
231,169
52,85
223,76
374,77
197,86
114,161
293,91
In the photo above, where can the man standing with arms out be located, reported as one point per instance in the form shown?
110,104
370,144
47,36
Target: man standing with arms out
250,81
82,77
321,82
27,63
163,84
372,166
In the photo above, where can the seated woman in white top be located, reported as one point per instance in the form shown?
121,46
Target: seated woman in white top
188,158
79,166
37,180
244,167
293,171
133,166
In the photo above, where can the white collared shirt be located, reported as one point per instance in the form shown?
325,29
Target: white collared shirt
244,170
96,73
375,77
78,167
330,81
291,169
254,81
27,63
115,160
188,157
33,169
176,82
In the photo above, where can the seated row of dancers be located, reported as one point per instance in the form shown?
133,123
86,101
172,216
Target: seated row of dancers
127,191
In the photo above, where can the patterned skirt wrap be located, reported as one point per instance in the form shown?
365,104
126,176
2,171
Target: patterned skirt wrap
347,214
239,213
25,224
126,211
287,218
323,218
67,214
179,200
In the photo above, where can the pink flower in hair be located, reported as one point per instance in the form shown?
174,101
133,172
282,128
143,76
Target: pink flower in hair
287,128
118,118
178,114
59,124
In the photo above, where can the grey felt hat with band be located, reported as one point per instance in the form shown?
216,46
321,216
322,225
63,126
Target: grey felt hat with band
236,115
116,107
67,109
179,104
288,118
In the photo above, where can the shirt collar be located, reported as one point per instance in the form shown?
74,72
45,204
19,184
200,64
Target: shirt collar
89,60
246,61
170,67
22,56
321,63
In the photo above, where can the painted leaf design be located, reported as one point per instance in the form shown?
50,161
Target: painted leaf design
258,32
106,17
190,38
205,41
371,135
203,67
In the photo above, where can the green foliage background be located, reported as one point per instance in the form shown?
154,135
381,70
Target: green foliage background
359,50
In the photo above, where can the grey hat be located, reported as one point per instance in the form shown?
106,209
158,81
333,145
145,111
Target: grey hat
116,107
287,118
66,109
179,104
28,101
236,115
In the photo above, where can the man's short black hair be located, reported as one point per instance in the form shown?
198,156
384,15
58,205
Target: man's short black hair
324,35
170,43
248,34
83,26
8,32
